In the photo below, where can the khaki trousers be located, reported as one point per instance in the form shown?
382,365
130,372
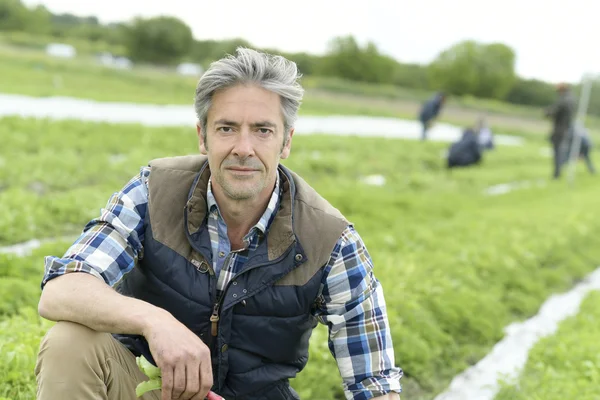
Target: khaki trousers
75,362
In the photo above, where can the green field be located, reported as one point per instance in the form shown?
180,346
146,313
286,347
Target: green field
565,365
35,74
457,265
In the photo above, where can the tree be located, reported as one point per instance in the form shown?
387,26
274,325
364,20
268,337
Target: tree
471,68
532,92
207,51
161,40
413,76
496,71
346,59
14,16
39,20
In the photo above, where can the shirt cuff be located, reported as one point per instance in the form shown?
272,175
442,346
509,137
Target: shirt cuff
387,382
59,267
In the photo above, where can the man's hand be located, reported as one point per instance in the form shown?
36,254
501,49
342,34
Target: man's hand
184,360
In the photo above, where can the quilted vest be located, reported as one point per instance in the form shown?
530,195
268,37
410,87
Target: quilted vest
259,329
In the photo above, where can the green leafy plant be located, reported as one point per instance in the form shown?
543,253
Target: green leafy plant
152,372
155,379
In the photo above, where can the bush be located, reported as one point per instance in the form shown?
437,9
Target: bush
159,40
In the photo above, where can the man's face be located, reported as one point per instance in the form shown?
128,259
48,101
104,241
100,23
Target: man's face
244,141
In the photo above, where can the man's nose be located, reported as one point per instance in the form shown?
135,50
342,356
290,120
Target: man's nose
243,145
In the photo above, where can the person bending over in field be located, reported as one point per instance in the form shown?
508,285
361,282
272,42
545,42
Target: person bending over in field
466,151
585,146
216,267
430,111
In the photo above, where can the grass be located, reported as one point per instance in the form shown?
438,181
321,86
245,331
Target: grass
457,265
56,168
565,365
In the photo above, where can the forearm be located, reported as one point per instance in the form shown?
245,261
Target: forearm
85,299
352,305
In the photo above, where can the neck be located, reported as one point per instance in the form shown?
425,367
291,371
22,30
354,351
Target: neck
241,215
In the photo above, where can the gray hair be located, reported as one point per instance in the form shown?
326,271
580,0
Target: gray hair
274,73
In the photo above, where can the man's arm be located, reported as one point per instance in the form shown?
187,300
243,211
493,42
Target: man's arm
86,300
555,108
108,249
353,305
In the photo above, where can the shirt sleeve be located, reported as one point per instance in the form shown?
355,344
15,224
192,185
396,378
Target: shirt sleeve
111,244
353,306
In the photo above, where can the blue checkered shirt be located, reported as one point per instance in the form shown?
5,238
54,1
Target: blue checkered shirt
351,298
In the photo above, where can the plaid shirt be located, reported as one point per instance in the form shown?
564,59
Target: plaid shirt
351,299
229,262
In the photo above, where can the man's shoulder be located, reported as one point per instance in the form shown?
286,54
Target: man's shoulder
191,163
308,197
173,175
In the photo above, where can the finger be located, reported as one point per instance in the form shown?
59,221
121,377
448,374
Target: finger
198,396
210,396
178,381
213,396
206,377
167,383
192,384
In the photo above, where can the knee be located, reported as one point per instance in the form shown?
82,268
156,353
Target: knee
70,342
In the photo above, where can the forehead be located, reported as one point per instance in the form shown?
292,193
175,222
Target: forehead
244,103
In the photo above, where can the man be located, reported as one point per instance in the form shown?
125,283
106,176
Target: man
430,111
561,113
217,267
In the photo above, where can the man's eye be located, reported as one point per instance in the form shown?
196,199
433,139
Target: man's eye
224,129
265,131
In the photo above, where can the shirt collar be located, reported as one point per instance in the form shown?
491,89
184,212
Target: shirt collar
265,219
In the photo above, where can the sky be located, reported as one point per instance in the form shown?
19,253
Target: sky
553,39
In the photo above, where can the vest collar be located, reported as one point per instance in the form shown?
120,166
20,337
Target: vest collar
280,235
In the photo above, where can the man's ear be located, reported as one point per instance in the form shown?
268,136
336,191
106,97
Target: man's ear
287,146
201,139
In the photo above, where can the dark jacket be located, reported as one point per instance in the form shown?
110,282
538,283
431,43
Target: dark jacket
562,113
264,316
431,108
465,152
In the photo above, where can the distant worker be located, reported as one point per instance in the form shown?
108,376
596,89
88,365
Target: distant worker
466,151
484,135
430,111
561,113
585,147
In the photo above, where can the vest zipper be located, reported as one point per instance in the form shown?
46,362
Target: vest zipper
214,318
254,267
